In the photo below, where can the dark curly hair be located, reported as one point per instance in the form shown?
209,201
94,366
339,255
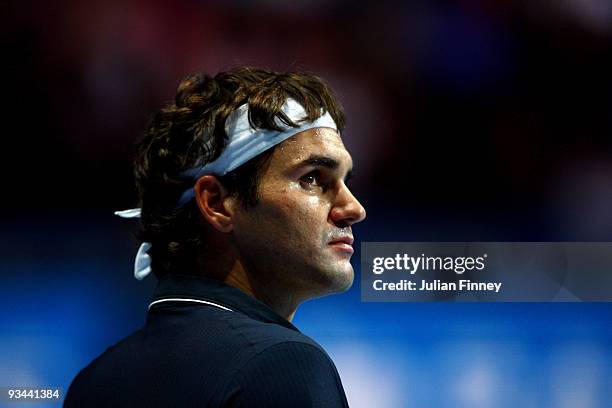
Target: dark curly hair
190,132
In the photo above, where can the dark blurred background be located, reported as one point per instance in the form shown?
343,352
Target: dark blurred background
467,120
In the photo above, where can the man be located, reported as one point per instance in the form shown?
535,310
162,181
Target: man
245,214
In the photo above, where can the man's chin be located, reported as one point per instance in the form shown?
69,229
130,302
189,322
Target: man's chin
341,279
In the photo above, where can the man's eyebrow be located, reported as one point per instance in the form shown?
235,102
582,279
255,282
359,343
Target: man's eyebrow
320,161
324,161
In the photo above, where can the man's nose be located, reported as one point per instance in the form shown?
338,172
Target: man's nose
347,210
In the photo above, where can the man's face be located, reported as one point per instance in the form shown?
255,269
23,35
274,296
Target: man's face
298,236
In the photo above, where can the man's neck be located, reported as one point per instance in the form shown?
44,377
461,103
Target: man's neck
282,303
232,271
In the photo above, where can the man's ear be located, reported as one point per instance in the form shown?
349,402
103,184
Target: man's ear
215,204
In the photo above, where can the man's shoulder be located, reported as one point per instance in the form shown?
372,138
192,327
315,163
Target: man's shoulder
98,381
200,348
284,356
276,365
209,337
287,373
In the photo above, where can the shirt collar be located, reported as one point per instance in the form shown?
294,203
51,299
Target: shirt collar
175,286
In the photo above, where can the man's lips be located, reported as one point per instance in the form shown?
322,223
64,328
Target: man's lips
343,243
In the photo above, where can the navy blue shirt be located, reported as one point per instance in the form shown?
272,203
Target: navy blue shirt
208,344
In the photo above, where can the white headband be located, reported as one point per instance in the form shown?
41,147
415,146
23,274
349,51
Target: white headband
245,142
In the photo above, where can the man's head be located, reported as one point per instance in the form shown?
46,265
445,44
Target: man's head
284,213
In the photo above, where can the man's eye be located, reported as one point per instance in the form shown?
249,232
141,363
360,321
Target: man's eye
310,180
